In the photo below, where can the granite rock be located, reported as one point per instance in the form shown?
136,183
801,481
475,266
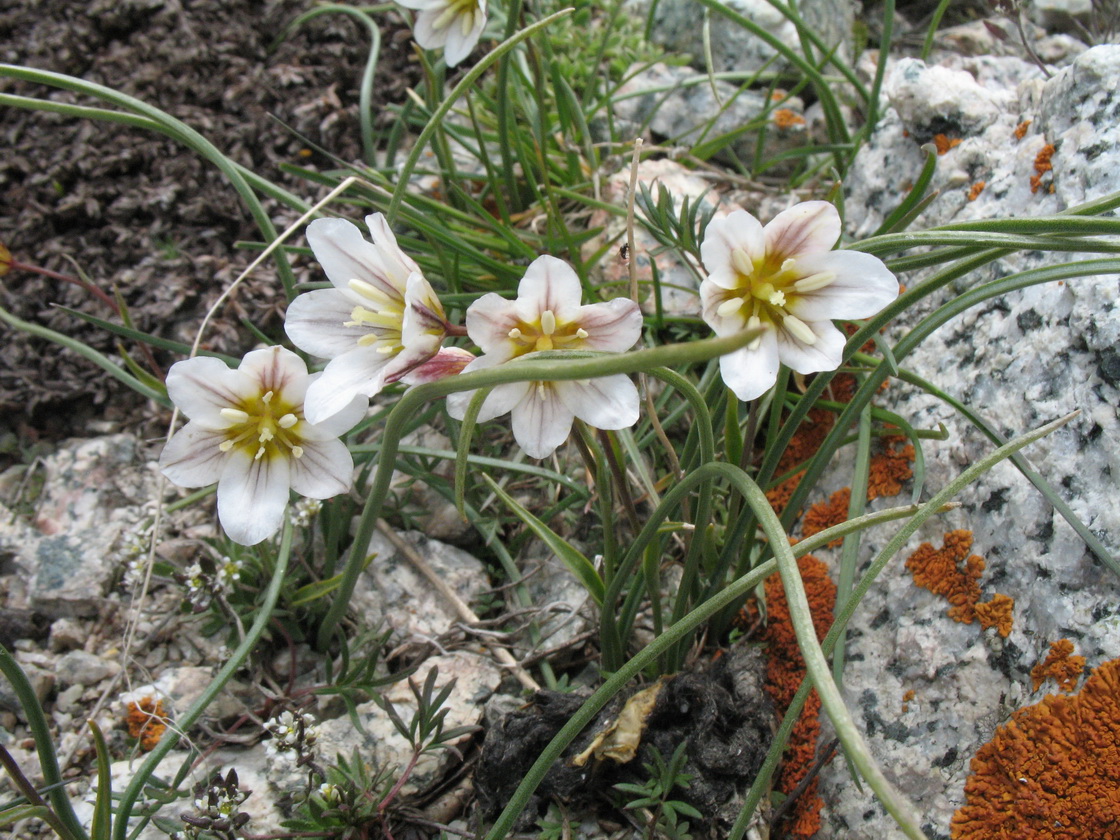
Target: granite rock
1019,360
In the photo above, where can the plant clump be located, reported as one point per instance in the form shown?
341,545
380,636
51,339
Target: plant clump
1052,772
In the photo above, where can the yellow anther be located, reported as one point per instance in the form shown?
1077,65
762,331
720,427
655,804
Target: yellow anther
367,339
267,398
742,262
225,445
259,455
287,421
800,330
753,323
789,265
582,333
515,333
386,349
548,322
297,451
729,307
368,291
235,415
814,281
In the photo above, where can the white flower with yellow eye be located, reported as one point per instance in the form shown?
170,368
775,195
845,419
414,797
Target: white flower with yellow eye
455,25
786,279
248,433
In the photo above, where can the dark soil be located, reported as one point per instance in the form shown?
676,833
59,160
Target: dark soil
136,213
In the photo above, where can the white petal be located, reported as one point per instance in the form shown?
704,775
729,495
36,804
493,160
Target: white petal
549,284
201,387
610,402
347,255
811,227
422,5
399,264
823,354
252,496
737,231
863,286
314,323
751,373
359,372
711,296
325,469
336,424
458,45
541,425
192,457
489,320
612,327
500,400
424,31
278,370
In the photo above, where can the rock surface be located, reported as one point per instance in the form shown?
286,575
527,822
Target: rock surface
1019,360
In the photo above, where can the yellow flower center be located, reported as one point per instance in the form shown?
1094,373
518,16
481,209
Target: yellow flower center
264,427
763,293
546,334
381,324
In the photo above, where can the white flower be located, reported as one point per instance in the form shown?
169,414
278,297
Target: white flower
547,315
248,433
455,25
786,279
381,320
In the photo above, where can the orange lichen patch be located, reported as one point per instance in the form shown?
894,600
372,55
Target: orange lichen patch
942,573
778,95
890,467
824,515
1052,772
1042,165
146,722
976,189
944,143
906,698
784,671
785,118
1021,129
1059,666
996,613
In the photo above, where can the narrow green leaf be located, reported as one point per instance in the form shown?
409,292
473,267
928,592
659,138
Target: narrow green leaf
103,803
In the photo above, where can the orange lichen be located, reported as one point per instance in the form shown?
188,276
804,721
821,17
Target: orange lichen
890,467
1052,772
996,613
943,143
1042,165
785,118
146,722
1021,129
785,670
1059,666
906,698
977,188
940,571
824,515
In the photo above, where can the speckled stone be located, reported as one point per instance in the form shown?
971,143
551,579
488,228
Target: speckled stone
1020,361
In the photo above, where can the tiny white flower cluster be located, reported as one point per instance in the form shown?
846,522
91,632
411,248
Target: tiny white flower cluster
304,511
228,573
217,809
132,553
330,793
293,736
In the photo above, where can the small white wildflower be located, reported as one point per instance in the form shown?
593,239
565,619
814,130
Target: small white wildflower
330,793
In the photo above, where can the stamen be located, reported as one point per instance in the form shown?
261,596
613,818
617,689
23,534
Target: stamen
259,455
753,323
515,333
385,349
788,265
267,398
368,290
368,339
729,307
742,262
225,445
266,435
542,391
814,281
548,322
449,14
297,451
287,421
800,330
582,333
235,415
468,23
